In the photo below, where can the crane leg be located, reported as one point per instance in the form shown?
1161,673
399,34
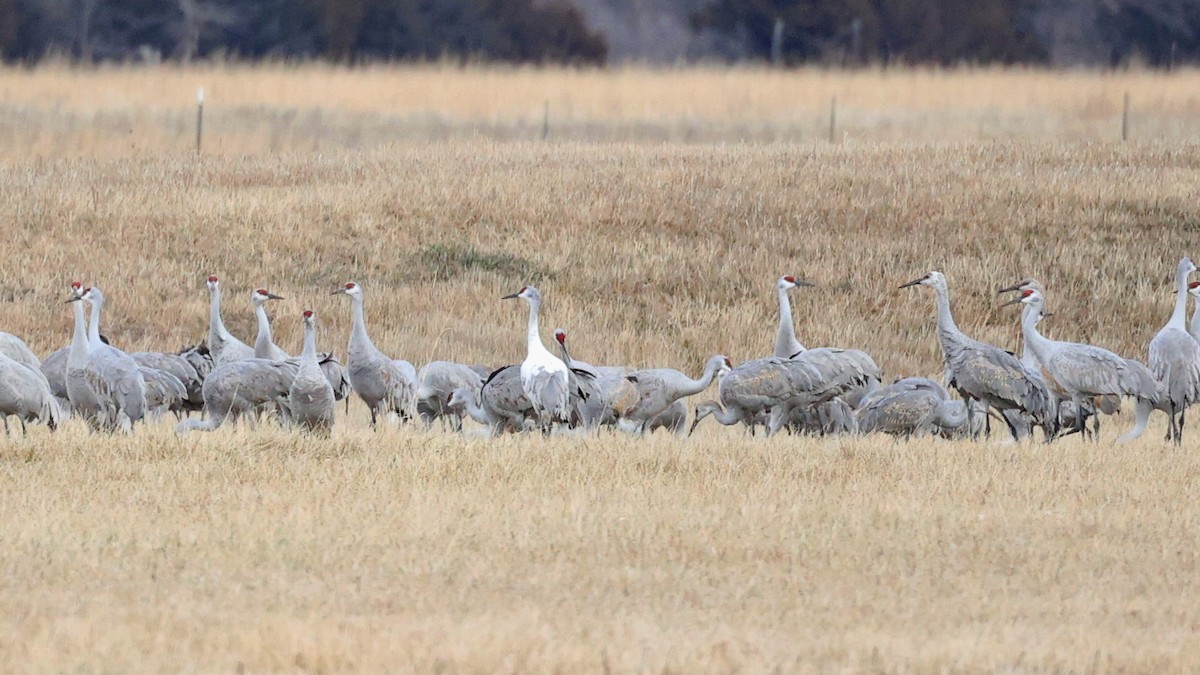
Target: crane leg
1182,416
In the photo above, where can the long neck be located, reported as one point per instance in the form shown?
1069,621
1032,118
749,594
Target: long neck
952,414
729,416
786,343
692,387
78,356
216,328
262,345
566,354
1179,316
945,320
477,413
1033,339
533,339
310,343
358,332
94,326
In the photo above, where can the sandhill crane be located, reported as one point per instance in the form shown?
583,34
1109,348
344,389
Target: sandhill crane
545,378
982,372
118,380
15,348
310,398
1079,372
164,392
500,404
264,346
385,385
560,336
750,390
25,393
436,382
223,346
589,402
1175,357
236,388
659,388
911,406
200,359
54,369
86,401
786,344
179,368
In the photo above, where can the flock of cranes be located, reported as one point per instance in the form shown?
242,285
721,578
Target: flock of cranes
1052,385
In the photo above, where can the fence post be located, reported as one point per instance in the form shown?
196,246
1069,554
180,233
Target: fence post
1125,119
199,118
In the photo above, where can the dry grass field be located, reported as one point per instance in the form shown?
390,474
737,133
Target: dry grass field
259,551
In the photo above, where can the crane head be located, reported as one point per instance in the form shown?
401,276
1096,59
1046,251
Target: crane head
91,294
1186,265
935,279
213,282
788,282
560,335
1027,282
308,314
261,295
76,293
351,289
1194,289
1027,297
528,292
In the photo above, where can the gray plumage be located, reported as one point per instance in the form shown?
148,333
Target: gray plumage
310,397
659,388
182,370
108,386
1175,357
983,372
236,388
54,369
164,392
264,345
15,348
500,404
223,346
25,394
384,385
436,382
912,406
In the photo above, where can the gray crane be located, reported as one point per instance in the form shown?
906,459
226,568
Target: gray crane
659,388
589,401
24,393
749,391
1079,372
113,375
223,346
178,366
384,385
560,336
982,372
1175,357
264,346
545,378
15,348
500,404
310,397
911,406
786,344
236,388
164,393
436,382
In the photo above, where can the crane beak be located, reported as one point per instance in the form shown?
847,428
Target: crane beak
510,297
1010,289
338,291
272,296
73,298
914,282
805,284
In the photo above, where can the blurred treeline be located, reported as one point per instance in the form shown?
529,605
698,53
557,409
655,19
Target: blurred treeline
1158,33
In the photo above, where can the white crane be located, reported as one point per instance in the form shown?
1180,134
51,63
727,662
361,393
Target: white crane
222,345
1079,372
118,379
25,393
236,388
659,388
983,372
786,344
1175,357
436,382
384,384
310,397
544,376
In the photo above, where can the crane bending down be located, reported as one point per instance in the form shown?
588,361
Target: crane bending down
1079,372
911,406
786,344
385,385
310,397
545,378
983,372
222,345
659,388
1175,357
115,376
239,387
436,383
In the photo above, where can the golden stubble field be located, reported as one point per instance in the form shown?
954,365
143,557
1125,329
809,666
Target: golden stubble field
258,551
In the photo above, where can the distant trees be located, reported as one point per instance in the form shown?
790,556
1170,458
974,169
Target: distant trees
507,30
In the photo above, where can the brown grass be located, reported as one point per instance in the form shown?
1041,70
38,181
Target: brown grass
412,551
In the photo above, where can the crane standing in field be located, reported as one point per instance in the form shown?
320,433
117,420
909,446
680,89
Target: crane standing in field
983,372
545,378
786,344
1079,372
236,388
120,384
25,393
1175,357
310,397
264,346
222,345
385,385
